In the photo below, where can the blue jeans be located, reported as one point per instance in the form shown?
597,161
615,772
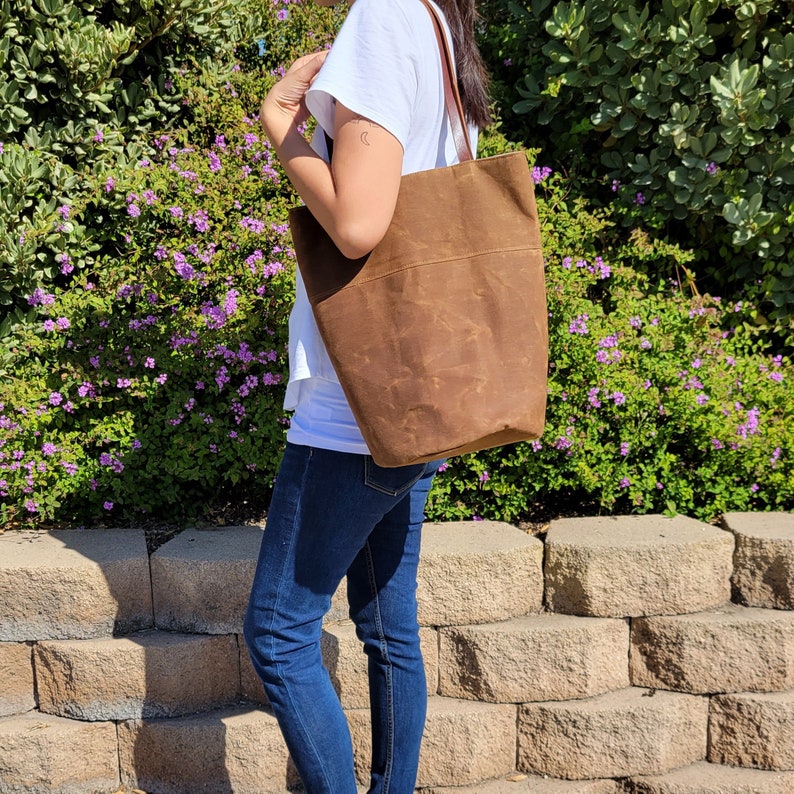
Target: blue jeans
336,513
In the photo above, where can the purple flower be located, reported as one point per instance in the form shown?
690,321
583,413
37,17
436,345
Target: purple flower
110,183
48,448
592,397
536,445
619,398
40,298
712,168
609,341
750,426
108,505
64,211
200,220
182,267
635,322
625,482
540,174
639,199
484,477
176,212
624,449
215,162
55,398
579,325
133,210
99,136
31,506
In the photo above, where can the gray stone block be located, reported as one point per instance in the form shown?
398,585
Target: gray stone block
705,778
629,732
536,657
753,730
628,566
238,751
150,674
201,580
42,754
16,678
478,572
763,565
730,649
73,584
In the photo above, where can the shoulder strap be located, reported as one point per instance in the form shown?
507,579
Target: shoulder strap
457,118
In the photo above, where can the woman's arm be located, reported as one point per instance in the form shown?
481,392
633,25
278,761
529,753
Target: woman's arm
354,198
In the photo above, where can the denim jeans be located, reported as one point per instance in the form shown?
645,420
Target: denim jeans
337,513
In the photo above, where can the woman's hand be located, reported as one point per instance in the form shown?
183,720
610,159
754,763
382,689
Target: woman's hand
284,107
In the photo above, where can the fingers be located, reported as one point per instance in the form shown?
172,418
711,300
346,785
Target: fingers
308,65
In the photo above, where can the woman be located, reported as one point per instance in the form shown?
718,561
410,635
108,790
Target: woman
379,95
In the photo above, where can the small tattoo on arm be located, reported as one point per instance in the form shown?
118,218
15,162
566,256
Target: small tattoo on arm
365,134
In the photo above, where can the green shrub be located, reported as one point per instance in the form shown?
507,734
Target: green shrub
684,109
147,381
147,376
84,86
657,400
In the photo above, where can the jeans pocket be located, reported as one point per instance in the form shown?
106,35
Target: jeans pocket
392,481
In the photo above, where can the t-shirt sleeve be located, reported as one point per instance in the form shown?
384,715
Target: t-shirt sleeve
371,69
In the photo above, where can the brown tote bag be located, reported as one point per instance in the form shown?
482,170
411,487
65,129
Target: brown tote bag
439,335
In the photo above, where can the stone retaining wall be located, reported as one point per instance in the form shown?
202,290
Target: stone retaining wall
640,654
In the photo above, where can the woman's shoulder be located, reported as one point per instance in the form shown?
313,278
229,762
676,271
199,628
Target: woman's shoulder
408,13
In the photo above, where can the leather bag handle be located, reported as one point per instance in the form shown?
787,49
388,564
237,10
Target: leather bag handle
454,105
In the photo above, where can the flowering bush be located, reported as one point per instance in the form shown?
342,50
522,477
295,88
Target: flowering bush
657,399
147,378
147,381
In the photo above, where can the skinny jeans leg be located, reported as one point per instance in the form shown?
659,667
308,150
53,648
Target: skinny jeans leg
325,507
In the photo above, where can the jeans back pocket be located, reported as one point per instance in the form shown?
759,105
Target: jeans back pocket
392,481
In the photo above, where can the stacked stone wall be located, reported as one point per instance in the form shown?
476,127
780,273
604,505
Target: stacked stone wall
637,654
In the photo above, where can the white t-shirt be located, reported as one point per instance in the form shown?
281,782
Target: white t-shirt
384,65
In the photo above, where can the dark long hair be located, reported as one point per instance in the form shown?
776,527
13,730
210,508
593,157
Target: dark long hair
473,79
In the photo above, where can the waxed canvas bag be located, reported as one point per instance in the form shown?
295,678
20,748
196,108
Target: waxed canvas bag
439,336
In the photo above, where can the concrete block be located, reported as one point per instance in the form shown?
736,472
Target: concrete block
763,565
531,784
73,584
238,751
478,572
42,754
629,732
536,657
201,579
16,678
731,649
464,742
753,729
627,566
705,778
151,674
